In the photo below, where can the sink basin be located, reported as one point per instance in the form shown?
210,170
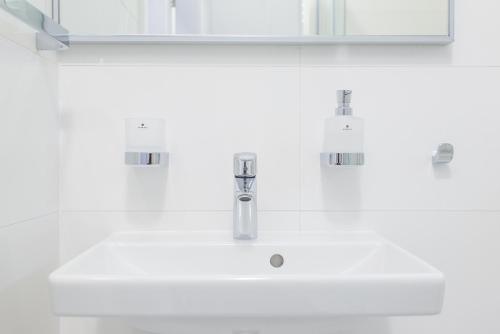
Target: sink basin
156,276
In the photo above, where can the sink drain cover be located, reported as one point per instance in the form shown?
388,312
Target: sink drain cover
277,260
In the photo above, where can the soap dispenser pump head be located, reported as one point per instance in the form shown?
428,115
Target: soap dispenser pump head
344,103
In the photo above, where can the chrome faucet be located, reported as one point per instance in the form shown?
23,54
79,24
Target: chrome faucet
245,196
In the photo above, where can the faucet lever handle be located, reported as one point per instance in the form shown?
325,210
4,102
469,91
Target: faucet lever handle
344,103
245,164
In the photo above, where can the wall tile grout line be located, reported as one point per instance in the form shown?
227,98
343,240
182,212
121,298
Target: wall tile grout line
300,135
175,65
288,66
288,211
28,219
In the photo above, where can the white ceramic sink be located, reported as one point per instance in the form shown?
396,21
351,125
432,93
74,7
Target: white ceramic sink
167,275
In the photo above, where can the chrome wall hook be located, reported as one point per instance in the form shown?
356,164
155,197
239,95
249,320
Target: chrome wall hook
443,154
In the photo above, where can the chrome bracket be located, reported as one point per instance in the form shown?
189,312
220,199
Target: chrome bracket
331,159
49,34
146,159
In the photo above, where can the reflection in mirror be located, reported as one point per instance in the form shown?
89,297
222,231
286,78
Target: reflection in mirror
257,17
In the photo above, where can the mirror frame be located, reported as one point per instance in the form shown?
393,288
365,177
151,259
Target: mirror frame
263,40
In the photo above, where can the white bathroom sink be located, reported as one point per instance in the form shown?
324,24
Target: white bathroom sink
170,275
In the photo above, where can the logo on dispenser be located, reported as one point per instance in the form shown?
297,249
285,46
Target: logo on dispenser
347,127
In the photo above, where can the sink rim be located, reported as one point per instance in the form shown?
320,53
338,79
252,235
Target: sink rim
224,239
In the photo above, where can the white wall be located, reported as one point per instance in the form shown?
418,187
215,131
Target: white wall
28,182
272,100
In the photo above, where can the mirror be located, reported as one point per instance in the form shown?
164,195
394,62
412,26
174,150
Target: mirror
273,20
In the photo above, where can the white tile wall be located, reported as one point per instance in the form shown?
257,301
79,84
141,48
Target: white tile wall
207,122
219,100
182,55
408,112
28,139
28,253
28,182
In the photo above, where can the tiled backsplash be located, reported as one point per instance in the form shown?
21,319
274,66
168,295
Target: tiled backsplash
29,202
279,112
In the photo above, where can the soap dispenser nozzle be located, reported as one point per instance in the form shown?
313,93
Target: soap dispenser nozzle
344,103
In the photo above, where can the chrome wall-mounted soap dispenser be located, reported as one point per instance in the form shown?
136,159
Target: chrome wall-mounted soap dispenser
145,142
344,135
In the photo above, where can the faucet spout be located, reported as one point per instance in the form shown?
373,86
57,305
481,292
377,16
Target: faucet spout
245,217
245,196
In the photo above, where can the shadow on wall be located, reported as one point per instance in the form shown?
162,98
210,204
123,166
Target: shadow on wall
442,172
347,325
341,186
146,188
